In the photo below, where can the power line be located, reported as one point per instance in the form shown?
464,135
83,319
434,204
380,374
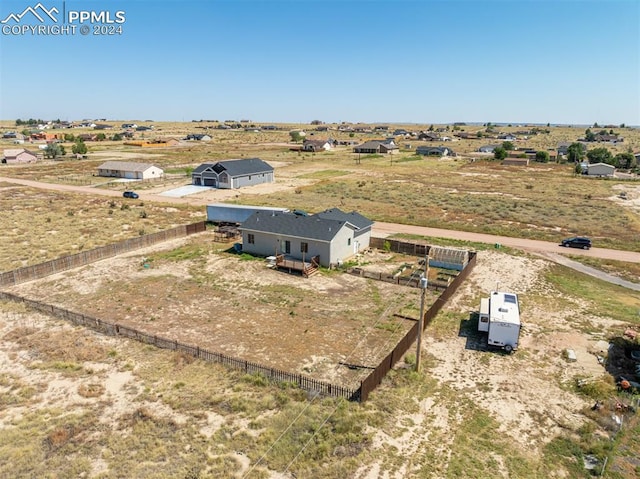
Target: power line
384,346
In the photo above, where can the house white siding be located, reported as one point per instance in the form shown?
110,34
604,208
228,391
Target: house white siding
600,169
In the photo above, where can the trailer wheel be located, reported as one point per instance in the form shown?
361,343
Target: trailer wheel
508,348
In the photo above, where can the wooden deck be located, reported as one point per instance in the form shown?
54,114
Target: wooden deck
306,268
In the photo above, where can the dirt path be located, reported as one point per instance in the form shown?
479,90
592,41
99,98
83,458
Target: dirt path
383,229
379,229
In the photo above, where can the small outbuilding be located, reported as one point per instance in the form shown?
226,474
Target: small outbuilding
129,170
19,155
600,169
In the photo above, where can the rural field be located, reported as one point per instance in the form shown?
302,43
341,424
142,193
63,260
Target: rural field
75,403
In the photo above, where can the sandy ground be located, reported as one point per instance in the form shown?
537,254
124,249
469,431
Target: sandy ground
524,391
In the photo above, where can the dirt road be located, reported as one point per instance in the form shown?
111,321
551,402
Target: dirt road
383,229
379,229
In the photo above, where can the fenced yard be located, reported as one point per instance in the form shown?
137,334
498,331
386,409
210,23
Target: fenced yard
274,324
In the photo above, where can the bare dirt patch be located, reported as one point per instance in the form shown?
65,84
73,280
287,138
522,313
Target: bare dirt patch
190,292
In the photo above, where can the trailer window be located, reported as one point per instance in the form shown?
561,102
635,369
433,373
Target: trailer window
484,319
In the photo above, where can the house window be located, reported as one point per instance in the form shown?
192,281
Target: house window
287,247
251,239
249,177
304,247
348,241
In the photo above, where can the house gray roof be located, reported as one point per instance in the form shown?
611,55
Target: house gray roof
369,145
289,224
375,144
249,166
355,218
124,166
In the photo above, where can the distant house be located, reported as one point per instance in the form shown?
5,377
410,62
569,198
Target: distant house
332,235
87,137
377,146
316,145
600,169
563,147
232,174
435,151
128,126
102,126
507,137
19,155
466,136
488,148
400,132
130,170
608,138
428,136
198,137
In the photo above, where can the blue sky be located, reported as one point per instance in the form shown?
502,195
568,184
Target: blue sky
559,61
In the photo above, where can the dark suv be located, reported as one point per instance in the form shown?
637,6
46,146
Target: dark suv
130,194
577,242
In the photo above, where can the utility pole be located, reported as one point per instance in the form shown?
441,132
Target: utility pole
424,280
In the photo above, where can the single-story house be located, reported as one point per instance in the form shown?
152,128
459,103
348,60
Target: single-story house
377,146
434,151
130,170
316,145
507,137
429,136
232,174
609,138
19,155
600,169
87,137
488,148
103,126
332,235
563,147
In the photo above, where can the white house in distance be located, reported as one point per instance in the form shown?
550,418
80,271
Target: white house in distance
600,169
19,155
130,170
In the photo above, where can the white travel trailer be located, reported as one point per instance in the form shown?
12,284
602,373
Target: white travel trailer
500,318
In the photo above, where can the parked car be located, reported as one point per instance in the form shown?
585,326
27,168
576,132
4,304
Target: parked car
576,242
131,194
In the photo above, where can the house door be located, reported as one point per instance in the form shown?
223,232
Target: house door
356,247
287,247
197,181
